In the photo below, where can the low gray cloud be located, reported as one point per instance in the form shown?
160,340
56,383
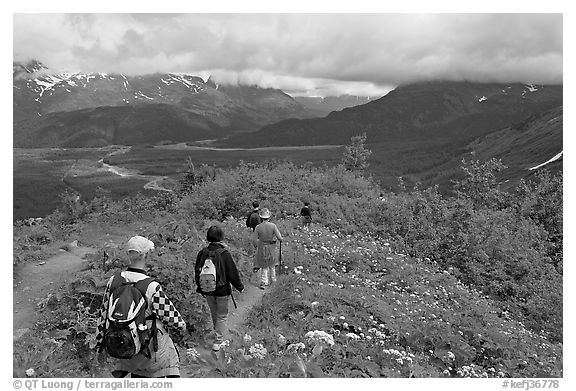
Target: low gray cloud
301,53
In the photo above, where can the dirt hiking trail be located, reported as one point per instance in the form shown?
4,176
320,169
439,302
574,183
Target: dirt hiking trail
246,301
34,281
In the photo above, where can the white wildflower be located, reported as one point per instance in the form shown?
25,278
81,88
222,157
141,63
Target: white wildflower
314,304
450,355
352,336
258,351
320,336
247,338
281,340
192,353
30,372
294,347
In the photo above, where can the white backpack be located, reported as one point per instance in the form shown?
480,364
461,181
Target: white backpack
207,279
207,273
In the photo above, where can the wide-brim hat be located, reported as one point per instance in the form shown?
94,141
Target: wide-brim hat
264,213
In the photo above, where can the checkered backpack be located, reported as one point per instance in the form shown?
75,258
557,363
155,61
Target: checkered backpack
126,333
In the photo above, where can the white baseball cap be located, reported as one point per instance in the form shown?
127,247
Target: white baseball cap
140,244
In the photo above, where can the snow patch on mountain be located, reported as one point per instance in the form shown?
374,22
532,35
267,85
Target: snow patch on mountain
183,79
48,81
529,88
141,94
556,157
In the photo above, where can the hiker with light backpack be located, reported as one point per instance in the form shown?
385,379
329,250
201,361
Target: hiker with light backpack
133,319
265,261
214,271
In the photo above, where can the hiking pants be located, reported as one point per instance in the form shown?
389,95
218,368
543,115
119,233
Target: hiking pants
265,272
219,310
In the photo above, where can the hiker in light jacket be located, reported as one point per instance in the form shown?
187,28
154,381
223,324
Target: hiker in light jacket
266,259
165,361
226,268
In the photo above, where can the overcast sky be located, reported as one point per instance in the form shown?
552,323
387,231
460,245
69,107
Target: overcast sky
302,54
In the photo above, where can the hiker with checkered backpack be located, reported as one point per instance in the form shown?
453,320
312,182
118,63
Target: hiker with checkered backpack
133,318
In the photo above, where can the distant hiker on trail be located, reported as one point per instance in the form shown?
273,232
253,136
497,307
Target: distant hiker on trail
253,218
267,233
214,271
142,346
306,214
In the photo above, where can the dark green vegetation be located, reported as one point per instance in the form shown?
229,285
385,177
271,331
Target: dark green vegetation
472,286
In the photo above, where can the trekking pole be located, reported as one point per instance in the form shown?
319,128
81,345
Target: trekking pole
280,260
233,301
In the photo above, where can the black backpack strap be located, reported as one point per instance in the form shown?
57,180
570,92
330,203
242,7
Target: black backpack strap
219,251
142,286
117,281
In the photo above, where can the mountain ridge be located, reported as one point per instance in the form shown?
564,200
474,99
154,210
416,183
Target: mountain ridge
225,109
420,110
